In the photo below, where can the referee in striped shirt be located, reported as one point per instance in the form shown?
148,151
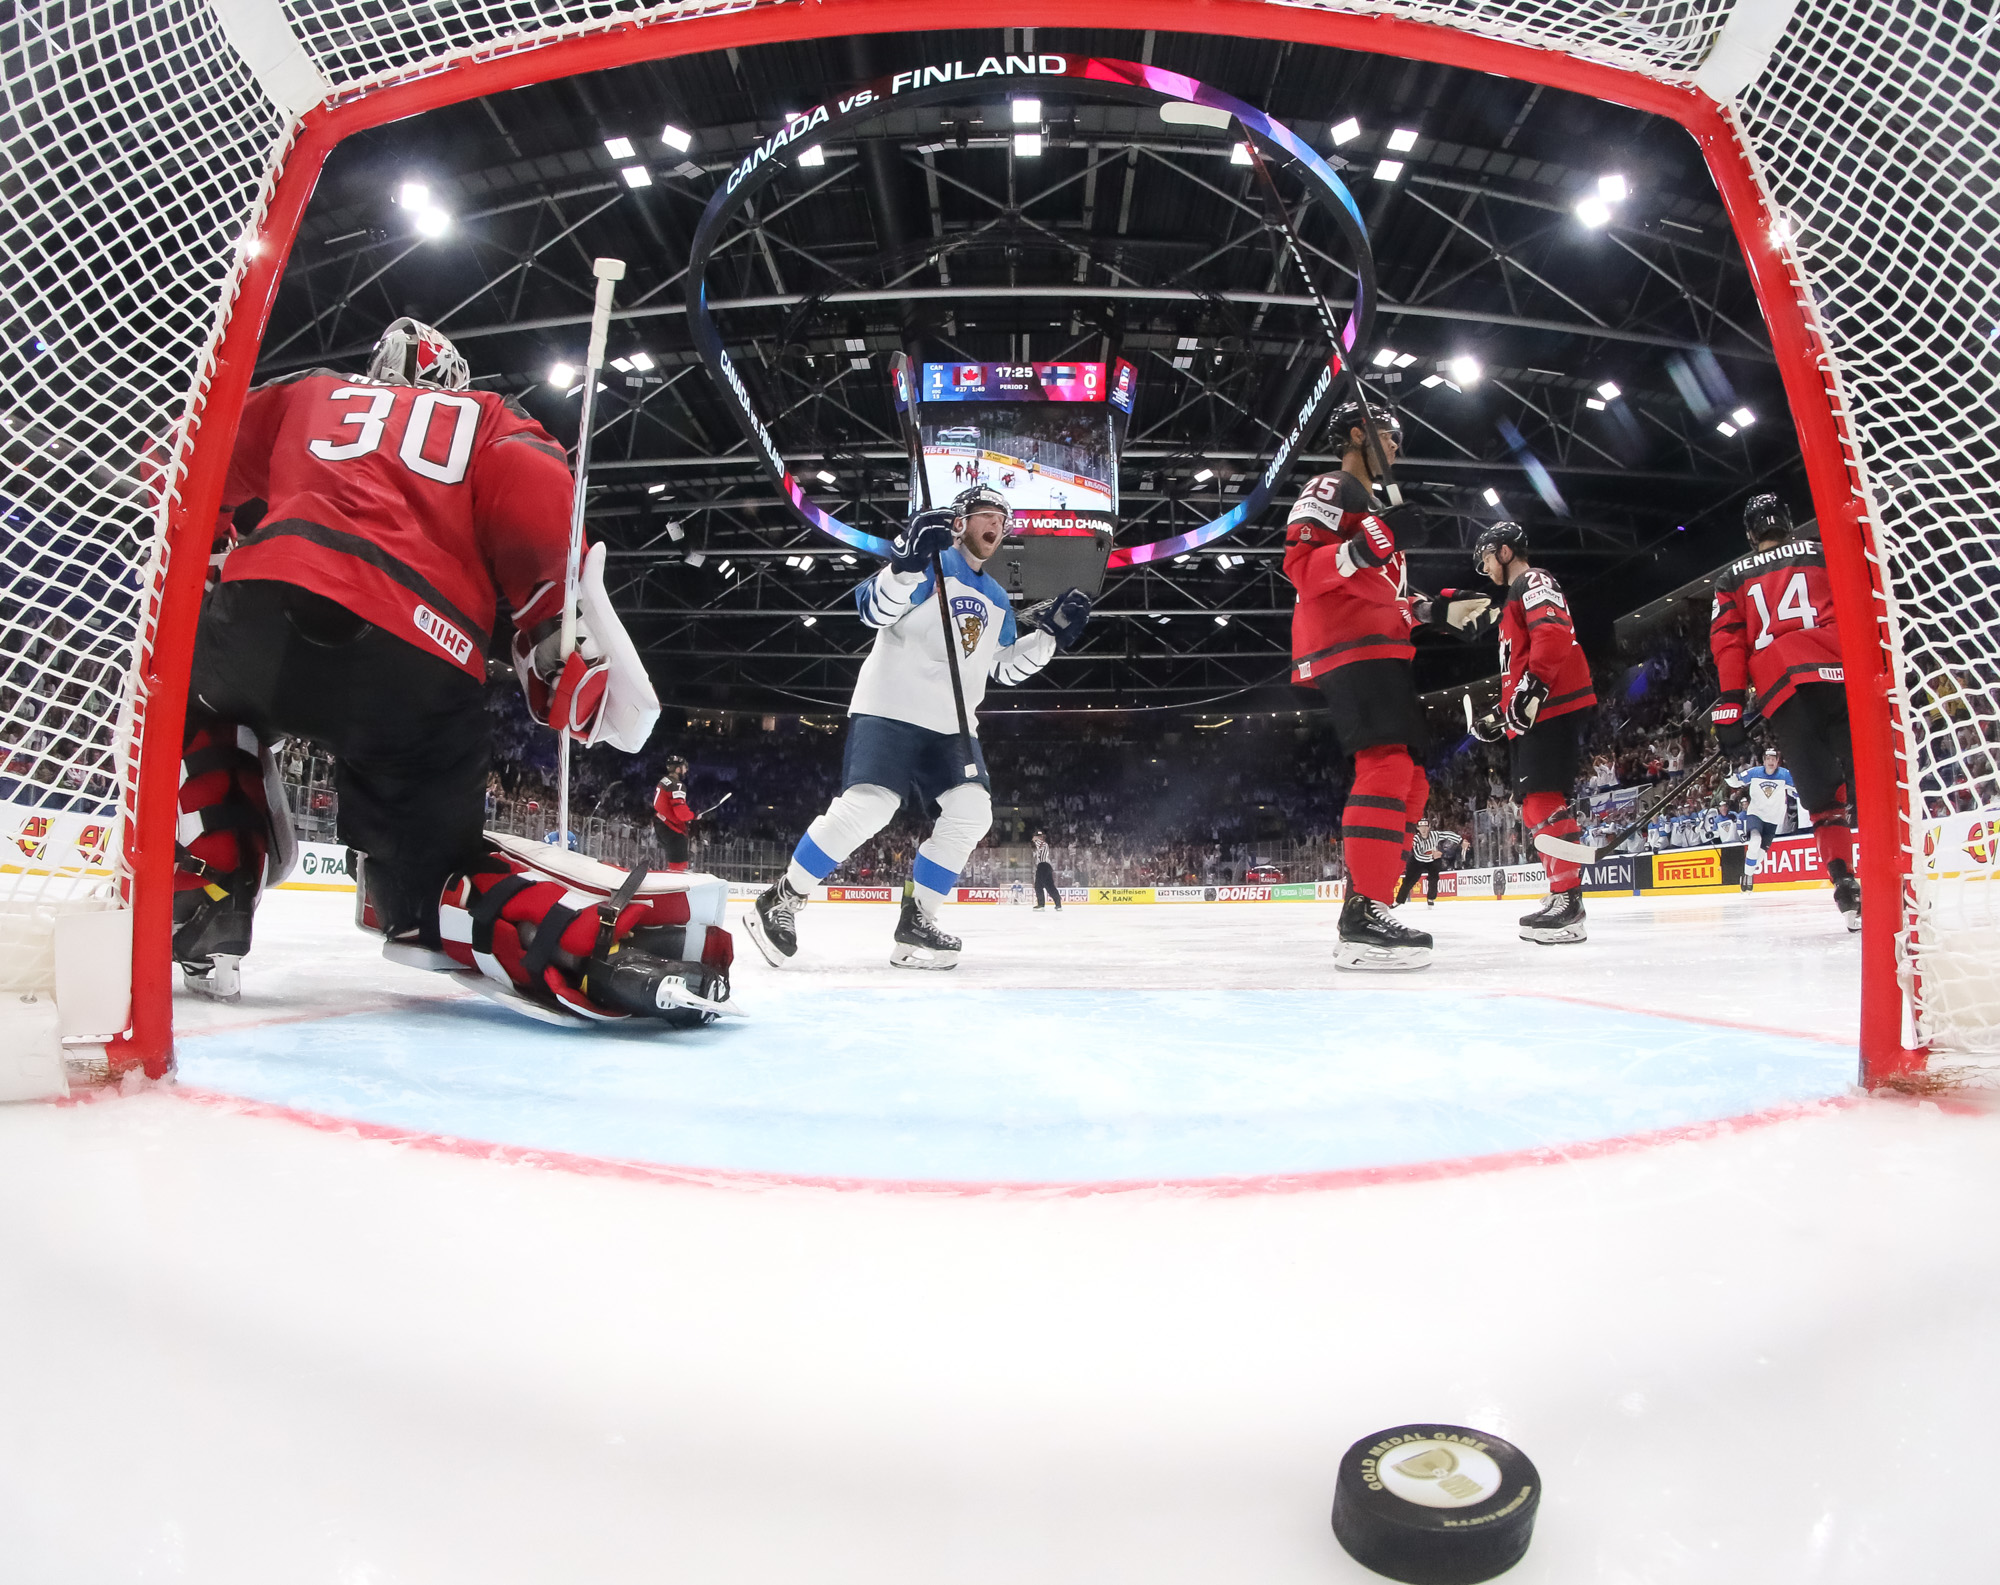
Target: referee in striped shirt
1425,858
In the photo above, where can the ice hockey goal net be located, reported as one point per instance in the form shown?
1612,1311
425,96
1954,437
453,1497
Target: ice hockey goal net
156,155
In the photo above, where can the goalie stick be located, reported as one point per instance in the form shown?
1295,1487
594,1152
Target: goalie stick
903,387
1377,457
609,273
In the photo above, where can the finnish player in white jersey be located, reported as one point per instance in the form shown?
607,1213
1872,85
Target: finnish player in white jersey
902,736
1769,793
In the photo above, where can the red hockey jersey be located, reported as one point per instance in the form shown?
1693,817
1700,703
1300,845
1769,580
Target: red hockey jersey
1536,635
671,808
1771,624
1362,614
404,504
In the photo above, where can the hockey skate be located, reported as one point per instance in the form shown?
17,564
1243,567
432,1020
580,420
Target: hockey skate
772,920
919,942
1373,938
1847,897
1557,920
211,939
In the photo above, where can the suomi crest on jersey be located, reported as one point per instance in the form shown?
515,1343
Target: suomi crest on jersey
969,616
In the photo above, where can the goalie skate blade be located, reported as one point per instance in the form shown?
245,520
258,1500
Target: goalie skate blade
1436,1504
221,981
755,927
906,957
675,997
1381,960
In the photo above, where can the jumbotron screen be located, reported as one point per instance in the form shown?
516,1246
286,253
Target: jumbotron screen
1040,433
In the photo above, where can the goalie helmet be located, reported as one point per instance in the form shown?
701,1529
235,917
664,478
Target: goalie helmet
1766,517
982,498
410,353
1347,419
1493,536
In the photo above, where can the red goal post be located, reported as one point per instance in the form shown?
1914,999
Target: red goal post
1793,106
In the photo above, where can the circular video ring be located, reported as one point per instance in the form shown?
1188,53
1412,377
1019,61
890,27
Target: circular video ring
951,80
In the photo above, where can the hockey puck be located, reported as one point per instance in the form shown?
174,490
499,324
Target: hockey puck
1435,1504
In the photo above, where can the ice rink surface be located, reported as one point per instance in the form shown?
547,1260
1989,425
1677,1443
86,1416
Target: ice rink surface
1083,1262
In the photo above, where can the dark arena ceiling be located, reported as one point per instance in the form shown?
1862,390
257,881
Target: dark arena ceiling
1128,236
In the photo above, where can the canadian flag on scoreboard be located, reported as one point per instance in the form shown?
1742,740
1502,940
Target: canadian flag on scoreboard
969,376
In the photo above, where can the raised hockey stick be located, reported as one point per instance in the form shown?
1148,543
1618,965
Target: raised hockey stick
609,273
1377,457
1577,852
903,386
703,814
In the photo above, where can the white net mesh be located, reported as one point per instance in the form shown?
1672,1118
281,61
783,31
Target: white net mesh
133,145
1875,126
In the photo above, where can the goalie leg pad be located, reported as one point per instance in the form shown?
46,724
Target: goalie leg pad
223,842
579,947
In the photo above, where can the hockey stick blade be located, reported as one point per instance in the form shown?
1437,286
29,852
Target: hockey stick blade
1557,848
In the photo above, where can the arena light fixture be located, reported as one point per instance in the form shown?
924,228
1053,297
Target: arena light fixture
1239,154
809,621
814,155
676,533
432,222
1609,391
637,176
1492,497
1726,428
847,561
1028,145
656,489
1593,404
1222,621
642,360
677,140
1744,417
1386,358
562,375
1464,370
695,558
1345,131
619,148
1027,112
1388,170
1612,189
1405,359
845,107
826,478
1593,211
1204,476
1430,380
1402,140
413,195
622,365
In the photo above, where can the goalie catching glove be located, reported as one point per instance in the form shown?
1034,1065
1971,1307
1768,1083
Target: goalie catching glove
600,693
576,940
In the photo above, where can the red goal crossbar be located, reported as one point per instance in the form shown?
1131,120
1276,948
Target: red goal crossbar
1853,560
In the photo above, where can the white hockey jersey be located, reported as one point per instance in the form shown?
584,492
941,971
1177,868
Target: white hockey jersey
1769,792
905,677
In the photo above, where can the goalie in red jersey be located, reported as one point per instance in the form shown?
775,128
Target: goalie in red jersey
380,517
1351,639
1772,628
1544,689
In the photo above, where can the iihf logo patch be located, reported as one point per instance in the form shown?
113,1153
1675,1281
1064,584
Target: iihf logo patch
969,617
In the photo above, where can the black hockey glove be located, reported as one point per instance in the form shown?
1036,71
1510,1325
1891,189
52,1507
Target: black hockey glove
1066,615
928,534
1527,699
1456,611
1409,525
1486,727
1727,720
